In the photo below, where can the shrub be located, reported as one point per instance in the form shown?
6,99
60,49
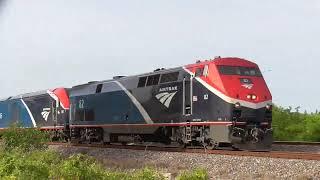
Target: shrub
78,167
312,125
23,155
197,174
295,126
26,139
147,174
17,164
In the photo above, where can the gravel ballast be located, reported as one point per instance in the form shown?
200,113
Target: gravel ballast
218,166
297,148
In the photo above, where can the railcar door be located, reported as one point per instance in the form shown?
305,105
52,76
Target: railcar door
187,95
54,110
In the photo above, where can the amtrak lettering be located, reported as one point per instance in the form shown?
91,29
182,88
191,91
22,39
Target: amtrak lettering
174,88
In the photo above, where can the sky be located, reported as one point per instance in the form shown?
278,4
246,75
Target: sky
47,44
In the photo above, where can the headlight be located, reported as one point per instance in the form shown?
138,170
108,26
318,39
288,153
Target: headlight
253,97
237,105
269,106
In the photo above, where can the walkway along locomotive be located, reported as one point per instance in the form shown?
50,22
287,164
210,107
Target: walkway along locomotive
214,102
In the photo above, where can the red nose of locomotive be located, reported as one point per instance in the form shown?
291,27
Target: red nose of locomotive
242,80
235,80
242,83
239,94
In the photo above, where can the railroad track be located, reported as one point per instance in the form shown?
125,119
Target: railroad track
297,143
271,154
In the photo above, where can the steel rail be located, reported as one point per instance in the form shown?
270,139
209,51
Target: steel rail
298,143
270,154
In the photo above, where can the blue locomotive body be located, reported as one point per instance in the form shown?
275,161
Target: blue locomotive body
91,105
14,110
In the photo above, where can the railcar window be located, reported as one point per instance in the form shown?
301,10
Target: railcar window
199,72
153,80
142,81
239,70
169,77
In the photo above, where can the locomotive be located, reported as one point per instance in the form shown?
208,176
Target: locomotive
47,110
224,101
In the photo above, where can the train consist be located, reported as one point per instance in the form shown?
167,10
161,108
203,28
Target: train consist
224,101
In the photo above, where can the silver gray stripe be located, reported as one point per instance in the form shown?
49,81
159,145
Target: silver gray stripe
168,101
161,95
29,112
137,104
164,98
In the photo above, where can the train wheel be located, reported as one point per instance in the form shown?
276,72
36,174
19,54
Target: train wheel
212,145
235,148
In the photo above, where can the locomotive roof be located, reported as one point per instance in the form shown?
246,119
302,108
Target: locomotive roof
160,71
4,99
37,93
216,60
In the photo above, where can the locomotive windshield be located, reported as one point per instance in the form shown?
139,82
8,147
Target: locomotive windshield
239,70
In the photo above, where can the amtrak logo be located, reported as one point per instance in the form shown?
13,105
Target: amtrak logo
248,86
166,98
45,113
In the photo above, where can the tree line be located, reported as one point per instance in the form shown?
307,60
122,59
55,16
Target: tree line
289,124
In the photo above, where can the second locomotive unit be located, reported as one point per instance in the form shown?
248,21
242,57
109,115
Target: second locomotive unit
224,101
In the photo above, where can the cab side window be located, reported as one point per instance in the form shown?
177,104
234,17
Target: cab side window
153,80
169,77
142,81
199,72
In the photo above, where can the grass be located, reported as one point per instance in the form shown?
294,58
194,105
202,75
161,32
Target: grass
24,155
197,174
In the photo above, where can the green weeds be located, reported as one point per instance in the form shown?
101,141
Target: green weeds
24,155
